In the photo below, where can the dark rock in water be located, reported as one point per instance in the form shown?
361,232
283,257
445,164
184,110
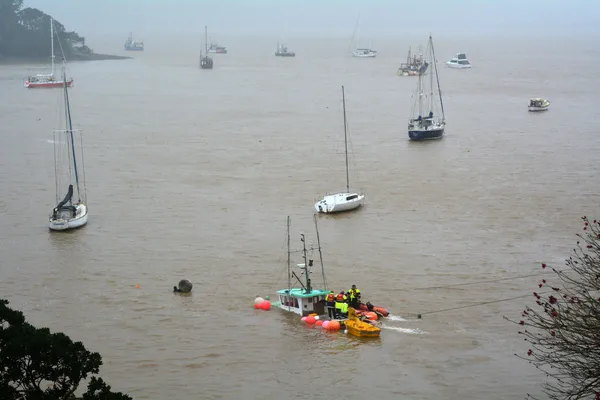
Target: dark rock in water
185,286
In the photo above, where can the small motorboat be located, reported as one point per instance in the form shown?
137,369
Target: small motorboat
380,311
538,104
360,328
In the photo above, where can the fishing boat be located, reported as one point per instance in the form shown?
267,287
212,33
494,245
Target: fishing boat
214,48
414,65
538,104
132,45
282,51
47,80
459,61
343,201
306,299
424,124
71,212
362,52
206,62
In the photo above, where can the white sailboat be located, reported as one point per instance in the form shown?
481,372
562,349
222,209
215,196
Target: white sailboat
70,212
362,52
343,201
47,80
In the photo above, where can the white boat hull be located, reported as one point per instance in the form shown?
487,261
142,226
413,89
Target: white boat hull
457,66
533,109
62,222
339,202
364,55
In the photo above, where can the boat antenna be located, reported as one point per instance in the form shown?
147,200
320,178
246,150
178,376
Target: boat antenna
346,139
288,256
320,253
307,263
434,61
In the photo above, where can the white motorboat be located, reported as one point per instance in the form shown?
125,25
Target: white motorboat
538,104
459,61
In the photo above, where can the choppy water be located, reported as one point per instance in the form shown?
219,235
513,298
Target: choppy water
191,174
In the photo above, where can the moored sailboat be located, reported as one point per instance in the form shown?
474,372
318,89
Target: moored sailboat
362,52
68,213
206,62
343,201
47,80
424,124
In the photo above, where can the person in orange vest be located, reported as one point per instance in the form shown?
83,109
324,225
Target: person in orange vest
340,300
330,299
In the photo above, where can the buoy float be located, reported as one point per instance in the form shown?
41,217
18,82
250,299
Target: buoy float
310,320
319,323
326,324
265,305
258,300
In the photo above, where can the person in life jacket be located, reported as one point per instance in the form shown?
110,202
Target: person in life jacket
340,300
330,299
354,296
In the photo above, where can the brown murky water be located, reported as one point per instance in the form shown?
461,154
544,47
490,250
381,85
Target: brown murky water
191,174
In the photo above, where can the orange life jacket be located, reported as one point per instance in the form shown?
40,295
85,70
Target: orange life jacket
331,297
340,297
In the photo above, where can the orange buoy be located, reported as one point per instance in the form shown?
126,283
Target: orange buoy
310,320
319,322
265,305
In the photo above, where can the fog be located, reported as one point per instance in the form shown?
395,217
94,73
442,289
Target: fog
325,18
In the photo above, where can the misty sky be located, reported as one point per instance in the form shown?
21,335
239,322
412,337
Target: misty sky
321,18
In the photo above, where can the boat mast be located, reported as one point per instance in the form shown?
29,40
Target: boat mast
52,43
320,253
346,139
288,256
434,61
70,129
206,40
306,264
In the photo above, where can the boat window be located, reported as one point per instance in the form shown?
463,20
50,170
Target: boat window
295,302
463,62
310,299
354,196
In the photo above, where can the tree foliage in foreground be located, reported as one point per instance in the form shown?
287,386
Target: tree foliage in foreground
25,32
563,326
36,364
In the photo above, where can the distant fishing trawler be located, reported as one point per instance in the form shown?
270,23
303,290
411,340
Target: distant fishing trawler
214,48
131,45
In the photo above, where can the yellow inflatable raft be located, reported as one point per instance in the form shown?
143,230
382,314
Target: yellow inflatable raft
356,327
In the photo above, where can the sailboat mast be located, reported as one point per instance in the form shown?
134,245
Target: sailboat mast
434,61
320,253
52,43
70,130
346,139
306,264
288,256
205,41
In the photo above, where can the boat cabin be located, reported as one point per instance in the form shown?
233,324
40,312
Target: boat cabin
537,102
460,60
296,300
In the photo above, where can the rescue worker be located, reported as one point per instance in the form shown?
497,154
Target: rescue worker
344,310
354,294
340,300
330,299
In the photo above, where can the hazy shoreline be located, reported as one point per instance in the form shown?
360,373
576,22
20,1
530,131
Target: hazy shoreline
44,60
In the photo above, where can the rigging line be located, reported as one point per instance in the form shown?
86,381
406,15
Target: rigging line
83,169
484,303
55,166
479,282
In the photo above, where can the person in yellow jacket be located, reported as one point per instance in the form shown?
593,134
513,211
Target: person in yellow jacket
354,294
340,300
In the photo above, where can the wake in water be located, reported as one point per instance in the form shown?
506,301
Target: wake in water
388,324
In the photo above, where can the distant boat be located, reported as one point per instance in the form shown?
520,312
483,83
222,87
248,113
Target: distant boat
343,201
282,51
47,80
68,213
361,52
131,45
459,61
425,125
206,62
538,104
414,65
214,48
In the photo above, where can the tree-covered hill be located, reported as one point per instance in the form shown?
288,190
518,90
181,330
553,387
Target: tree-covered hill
25,34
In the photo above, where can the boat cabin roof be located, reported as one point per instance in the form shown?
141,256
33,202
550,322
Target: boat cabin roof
299,292
537,99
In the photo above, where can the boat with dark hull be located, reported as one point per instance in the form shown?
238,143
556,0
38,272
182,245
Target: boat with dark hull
282,51
424,123
206,62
